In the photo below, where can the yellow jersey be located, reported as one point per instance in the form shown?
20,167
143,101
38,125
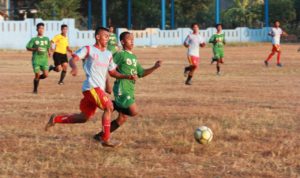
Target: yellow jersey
61,43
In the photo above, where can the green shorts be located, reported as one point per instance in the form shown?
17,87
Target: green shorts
40,64
124,100
218,53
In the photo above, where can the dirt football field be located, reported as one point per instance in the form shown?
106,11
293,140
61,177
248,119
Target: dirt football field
253,111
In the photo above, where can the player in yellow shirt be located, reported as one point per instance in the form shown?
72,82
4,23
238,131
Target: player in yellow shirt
60,53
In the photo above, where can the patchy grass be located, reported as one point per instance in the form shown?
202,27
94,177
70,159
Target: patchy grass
253,111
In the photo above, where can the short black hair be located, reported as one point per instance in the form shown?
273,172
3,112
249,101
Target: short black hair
276,21
219,24
63,26
123,35
98,29
193,24
39,25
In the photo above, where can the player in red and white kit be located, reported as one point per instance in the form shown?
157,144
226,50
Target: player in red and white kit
97,63
276,33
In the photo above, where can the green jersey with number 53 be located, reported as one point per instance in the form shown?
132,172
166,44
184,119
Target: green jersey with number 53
127,65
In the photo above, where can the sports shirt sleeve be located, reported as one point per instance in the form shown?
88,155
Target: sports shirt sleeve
30,43
82,52
186,41
111,65
54,39
212,39
140,70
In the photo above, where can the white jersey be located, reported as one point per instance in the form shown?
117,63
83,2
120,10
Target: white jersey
193,40
96,65
276,34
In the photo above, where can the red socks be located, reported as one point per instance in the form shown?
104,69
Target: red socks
66,119
106,129
270,56
278,58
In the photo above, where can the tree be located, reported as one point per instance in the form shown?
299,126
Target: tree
282,10
243,13
58,9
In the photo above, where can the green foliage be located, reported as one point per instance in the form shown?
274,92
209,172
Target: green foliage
243,13
282,10
58,9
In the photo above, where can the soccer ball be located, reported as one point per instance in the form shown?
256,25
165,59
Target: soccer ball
203,135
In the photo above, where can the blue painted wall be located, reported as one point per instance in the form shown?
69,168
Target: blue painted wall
15,34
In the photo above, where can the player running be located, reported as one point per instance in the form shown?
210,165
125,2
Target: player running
113,41
124,89
218,41
276,33
97,62
192,42
60,53
40,47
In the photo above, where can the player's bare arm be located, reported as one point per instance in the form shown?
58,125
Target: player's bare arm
117,75
108,88
284,33
186,45
152,69
34,49
271,34
73,65
69,50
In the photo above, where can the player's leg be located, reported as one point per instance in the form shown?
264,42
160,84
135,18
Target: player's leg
57,63
36,81
221,54
104,103
193,67
87,106
121,119
66,119
44,67
274,49
218,67
278,57
188,68
63,73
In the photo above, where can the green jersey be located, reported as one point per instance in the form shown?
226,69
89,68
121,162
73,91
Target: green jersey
39,42
112,43
123,88
218,40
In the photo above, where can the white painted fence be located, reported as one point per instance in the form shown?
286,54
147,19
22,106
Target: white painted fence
15,34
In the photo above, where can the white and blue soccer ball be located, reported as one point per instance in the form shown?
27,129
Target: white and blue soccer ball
203,135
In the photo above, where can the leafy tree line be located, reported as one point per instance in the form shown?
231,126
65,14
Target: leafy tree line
147,13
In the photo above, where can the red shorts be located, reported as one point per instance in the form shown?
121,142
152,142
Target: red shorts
93,99
276,48
193,60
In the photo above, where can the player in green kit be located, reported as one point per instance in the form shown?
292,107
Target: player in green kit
218,41
124,89
112,45
40,47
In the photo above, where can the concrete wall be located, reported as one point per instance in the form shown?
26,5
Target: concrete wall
16,34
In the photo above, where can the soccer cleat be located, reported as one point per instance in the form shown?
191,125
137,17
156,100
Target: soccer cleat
218,73
108,143
35,92
266,63
279,65
61,83
189,82
50,122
